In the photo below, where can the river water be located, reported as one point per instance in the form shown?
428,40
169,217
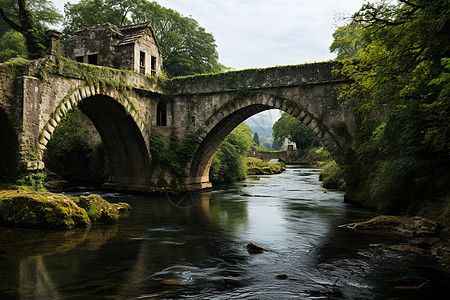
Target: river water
194,246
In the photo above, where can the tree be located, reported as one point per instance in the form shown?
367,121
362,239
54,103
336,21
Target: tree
229,162
346,41
291,128
401,66
18,16
186,47
256,138
12,44
91,12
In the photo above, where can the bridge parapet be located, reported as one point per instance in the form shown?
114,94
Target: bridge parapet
254,79
288,156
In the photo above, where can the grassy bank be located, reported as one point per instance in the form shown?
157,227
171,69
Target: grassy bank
256,166
331,174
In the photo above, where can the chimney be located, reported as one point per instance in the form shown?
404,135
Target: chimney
53,37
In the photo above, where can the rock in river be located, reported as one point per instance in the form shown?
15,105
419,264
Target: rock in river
40,209
253,248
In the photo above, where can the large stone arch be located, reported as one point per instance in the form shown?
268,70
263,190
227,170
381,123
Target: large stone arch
121,128
237,109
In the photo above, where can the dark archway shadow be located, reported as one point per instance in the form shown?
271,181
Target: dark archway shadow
126,149
9,158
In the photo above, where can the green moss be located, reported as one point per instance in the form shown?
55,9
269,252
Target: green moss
33,180
332,176
93,210
177,156
22,208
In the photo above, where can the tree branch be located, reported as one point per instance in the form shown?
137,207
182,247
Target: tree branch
10,22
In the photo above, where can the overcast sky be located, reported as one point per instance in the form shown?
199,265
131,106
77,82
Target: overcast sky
264,33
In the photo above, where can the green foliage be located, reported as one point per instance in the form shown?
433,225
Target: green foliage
293,129
186,47
346,41
70,155
34,181
12,44
229,162
43,12
31,19
256,166
177,156
276,145
256,138
332,176
400,66
91,12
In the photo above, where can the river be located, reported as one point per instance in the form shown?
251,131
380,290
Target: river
194,246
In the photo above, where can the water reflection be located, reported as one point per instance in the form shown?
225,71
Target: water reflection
35,281
193,245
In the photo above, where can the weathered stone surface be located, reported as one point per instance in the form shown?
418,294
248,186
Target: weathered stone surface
412,226
98,209
253,248
25,209
123,105
288,157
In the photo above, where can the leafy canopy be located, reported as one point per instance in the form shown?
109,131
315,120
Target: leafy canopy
186,47
229,162
400,72
30,18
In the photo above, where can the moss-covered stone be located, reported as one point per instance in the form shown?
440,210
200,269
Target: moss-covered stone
40,209
98,209
122,207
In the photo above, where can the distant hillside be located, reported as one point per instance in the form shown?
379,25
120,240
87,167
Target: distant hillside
262,123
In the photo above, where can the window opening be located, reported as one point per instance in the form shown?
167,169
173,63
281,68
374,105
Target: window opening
79,59
142,62
93,59
153,65
161,114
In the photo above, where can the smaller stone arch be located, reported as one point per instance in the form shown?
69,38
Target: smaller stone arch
235,111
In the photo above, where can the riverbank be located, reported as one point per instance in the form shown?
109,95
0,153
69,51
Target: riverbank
21,207
331,175
422,235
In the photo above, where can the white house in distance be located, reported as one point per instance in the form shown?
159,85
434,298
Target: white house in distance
132,47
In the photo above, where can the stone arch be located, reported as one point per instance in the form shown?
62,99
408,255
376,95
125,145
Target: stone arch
121,128
237,109
9,149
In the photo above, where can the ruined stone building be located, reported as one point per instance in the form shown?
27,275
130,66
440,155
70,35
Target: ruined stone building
132,47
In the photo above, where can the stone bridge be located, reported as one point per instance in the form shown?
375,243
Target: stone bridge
288,156
159,133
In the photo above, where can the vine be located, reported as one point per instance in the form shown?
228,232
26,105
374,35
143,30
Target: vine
177,156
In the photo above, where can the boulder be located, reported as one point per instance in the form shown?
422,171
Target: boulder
282,276
253,248
122,207
21,208
98,209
